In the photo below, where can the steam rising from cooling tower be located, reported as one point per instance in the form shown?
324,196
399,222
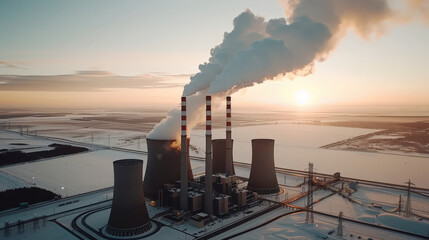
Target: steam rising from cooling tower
257,50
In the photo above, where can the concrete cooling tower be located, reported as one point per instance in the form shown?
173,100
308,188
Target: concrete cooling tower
219,156
128,216
263,178
163,166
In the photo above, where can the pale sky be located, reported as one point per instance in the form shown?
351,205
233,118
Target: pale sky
143,52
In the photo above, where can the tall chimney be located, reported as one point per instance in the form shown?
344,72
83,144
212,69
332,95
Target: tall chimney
263,179
183,162
208,195
129,215
228,159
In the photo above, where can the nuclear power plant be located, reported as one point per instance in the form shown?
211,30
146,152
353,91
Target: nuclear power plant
169,181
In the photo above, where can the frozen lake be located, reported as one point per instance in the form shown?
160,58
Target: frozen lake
297,144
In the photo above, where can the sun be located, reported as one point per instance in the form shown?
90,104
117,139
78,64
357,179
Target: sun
302,97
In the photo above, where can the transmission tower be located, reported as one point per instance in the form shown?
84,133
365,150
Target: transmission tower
309,218
407,211
340,225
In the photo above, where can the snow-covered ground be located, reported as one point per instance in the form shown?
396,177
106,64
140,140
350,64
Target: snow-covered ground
294,227
70,175
296,145
50,231
73,174
9,182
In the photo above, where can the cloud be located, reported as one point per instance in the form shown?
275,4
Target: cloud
89,81
5,64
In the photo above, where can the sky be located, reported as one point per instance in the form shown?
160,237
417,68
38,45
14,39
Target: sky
108,53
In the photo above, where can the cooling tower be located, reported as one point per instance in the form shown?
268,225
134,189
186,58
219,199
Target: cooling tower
263,178
163,166
128,216
219,156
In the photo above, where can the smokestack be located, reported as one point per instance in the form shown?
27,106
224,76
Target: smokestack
183,162
208,195
128,216
163,166
263,179
219,156
228,156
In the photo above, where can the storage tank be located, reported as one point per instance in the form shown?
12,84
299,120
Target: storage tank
163,166
128,216
263,179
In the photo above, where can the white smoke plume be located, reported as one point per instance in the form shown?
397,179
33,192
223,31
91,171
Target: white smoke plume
169,127
257,50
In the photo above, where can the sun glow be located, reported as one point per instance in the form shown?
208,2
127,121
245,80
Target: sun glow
302,97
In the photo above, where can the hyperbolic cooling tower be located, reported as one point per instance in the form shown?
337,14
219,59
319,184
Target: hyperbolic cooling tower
128,216
163,166
263,178
219,156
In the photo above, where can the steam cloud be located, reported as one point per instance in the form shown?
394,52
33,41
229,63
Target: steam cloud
257,50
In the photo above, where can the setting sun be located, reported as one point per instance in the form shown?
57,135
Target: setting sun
302,97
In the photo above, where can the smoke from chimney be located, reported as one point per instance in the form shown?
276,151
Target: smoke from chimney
257,50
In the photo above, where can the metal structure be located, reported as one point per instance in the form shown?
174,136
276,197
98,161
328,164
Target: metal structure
408,209
219,156
208,194
400,205
183,161
163,166
263,179
340,225
309,217
228,161
128,216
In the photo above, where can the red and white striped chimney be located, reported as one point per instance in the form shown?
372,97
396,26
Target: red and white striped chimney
183,161
228,159
208,202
